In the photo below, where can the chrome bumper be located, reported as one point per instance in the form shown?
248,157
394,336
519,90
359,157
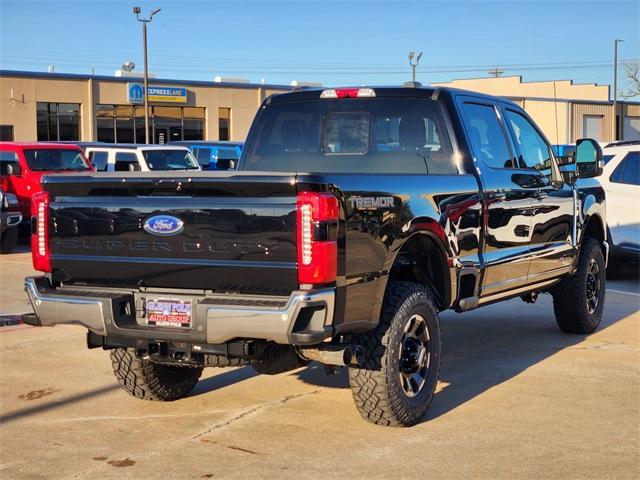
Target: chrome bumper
304,318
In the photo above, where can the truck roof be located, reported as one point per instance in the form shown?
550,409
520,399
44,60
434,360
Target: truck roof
135,146
39,145
411,90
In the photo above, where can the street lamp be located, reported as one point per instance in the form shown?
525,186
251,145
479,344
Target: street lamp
136,11
414,65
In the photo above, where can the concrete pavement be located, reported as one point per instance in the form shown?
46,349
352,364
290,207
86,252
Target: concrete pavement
517,399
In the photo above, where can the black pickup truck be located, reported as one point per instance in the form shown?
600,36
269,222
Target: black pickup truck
356,215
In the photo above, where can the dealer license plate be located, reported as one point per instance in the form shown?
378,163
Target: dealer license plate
168,313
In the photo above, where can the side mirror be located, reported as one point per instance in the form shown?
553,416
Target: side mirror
13,169
589,162
225,164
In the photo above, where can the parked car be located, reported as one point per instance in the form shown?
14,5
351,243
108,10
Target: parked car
10,218
126,157
325,247
22,165
621,182
215,155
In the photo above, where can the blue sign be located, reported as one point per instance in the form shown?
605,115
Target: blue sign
163,225
135,94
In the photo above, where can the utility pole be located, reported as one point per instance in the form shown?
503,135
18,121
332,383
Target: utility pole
496,72
144,21
615,87
414,65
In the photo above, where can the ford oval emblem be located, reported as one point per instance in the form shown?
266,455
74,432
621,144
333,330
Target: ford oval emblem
163,225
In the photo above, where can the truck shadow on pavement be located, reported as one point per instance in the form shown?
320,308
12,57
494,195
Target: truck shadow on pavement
489,346
216,382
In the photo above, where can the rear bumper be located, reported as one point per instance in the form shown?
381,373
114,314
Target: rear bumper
303,318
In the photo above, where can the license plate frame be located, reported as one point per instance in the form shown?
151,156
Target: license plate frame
171,313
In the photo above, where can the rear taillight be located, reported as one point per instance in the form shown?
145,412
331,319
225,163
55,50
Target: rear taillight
318,215
40,253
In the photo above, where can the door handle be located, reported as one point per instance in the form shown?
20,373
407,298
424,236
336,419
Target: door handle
500,196
540,194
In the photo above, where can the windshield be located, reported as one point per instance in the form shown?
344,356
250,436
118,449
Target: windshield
170,160
55,160
372,135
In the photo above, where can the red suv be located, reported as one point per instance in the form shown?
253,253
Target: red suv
22,165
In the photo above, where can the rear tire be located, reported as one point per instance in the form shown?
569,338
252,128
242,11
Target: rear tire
152,381
8,240
578,300
396,383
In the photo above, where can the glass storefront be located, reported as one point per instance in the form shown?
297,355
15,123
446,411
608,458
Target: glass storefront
125,123
58,121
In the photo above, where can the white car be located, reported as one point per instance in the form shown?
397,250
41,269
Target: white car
140,158
621,182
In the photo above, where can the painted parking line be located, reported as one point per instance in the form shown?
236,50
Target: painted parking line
622,292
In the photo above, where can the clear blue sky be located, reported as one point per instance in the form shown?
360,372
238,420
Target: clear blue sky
335,42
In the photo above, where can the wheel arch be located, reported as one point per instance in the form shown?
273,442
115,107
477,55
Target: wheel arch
422,258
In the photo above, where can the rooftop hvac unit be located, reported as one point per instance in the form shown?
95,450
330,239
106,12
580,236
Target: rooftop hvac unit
220,79
122,73
301,83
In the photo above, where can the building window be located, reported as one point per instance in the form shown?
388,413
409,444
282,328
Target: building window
6,133
592,127
224,124
631,128
125,123
58,121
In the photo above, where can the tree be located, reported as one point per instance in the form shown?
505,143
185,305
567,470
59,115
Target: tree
632,71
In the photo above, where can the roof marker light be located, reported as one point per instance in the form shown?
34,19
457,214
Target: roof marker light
348,93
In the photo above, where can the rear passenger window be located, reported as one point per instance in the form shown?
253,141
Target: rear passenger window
628,172
203,155
99,160
124,159
487,138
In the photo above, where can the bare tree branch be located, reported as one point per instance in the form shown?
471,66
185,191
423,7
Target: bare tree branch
632,71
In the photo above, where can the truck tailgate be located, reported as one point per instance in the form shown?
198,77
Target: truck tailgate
225,232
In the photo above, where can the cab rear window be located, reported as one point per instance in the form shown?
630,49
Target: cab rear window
368,135
55,160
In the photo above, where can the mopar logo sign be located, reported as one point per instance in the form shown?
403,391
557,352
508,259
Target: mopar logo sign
135,94
163,225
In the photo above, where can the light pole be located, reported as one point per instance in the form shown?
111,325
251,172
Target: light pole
414,65
144,21
615,87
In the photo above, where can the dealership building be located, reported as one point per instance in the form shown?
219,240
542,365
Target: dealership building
56,106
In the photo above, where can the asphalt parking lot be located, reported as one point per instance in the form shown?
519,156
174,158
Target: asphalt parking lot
517,399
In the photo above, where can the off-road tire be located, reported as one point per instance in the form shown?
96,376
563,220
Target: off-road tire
276,359
152,381
570,295
8,240
376,386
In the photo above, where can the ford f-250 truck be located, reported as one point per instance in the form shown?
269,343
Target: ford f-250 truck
356,215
